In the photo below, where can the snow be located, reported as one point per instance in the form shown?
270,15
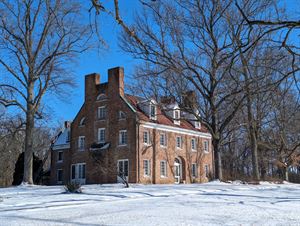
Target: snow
213,203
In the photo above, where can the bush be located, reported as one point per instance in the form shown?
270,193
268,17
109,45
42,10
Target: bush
73,187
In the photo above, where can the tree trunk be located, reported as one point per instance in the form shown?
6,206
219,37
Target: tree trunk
28,153
218,160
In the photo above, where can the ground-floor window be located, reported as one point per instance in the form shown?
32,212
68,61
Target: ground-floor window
78,173
146,166
194,170
123,166
59,176
163,168
206,168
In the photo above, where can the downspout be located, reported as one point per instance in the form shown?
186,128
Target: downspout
138,150
154,157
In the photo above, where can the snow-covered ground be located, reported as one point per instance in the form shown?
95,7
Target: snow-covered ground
213,203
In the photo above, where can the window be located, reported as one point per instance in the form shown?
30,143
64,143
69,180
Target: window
59,156
123,137
78,173
206,169
152,111
194,170
193,144
82,121
123,166
81,143
177,117
101,96
68,136
205,146
163,168
101,113
197,125
163,140
59,176
146,167
121,115
146,137
101,135
178,142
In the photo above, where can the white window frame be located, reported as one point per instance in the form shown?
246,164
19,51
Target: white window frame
164,143
150,111
179,147
82,121
101,97
80,146
146,168
121,132
194,170
123,162
60,160
197,125
205,146
121,115
193,143
79,177
59,181
163,174
101,113
176,119
146,134
99,135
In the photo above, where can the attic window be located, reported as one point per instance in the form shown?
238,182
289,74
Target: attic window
197,125
101,96
122,115
177,117
82,122
153,111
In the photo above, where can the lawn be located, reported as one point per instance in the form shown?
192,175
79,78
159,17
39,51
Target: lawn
212,203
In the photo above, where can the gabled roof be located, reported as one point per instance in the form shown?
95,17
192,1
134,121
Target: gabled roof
161,117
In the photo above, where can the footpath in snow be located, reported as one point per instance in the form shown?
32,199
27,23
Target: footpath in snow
213,203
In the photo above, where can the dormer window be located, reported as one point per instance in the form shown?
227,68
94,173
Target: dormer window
152,111
177,117
82,122
197,125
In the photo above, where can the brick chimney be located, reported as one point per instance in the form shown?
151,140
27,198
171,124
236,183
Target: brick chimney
116,81
91,81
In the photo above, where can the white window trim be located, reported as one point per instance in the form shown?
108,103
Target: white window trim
155,111
98,113
101,99
120,137
60,161
176,120
165,140
119,115
82,122
206,151
123,160
148,138
193,149
79,147
98,139
148,173
196,170
81,180
166,172
180,142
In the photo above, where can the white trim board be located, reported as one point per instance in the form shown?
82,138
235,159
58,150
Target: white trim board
151,125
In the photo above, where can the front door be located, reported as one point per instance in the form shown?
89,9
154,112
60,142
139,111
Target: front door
177,170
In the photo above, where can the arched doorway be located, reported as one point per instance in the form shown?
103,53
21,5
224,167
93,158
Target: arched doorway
177,170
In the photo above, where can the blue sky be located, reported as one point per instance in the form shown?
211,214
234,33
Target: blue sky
97,60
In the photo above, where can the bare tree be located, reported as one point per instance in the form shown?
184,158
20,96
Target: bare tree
38,41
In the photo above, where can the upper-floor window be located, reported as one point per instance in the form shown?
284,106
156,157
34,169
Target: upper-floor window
101,135
193,144
152,111
123,137
177,116
59,156
179,142
146,167
163,139
121,115
101,96
81,142
146,137
205,146
82,121
101,113
194,170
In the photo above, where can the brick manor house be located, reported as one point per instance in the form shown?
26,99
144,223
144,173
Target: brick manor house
119,134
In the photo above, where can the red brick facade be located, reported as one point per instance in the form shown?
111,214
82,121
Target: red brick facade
115,126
